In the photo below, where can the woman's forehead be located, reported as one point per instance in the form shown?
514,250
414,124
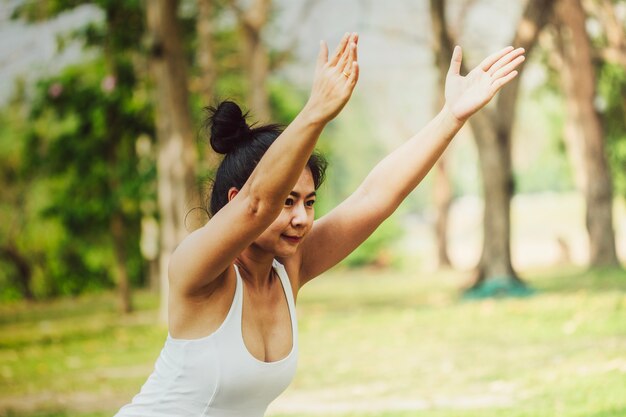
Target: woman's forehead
305,184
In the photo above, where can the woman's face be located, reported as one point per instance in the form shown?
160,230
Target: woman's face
286,233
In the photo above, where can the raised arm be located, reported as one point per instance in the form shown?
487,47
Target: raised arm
207,252
337,234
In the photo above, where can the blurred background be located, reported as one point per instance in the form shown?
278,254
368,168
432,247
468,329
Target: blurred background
498,286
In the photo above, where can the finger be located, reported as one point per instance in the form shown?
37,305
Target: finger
500,82
354,74
355,37
351,58
345,57
354,51
455,62
340,49
506,59
493,58
322,56
505,70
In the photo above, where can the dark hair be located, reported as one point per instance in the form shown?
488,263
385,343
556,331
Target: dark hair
243,146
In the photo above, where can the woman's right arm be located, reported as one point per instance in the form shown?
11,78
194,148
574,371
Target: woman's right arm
207,252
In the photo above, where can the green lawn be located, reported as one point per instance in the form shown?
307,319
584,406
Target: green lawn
372,343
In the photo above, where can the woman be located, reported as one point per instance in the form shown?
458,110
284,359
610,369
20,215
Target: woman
232,344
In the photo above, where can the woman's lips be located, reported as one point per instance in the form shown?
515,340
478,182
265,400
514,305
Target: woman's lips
292,239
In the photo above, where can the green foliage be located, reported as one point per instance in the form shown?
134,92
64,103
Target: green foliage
94,149
285,102
30,244
76,163
90,153
541,158
12,209
379,248
74,150
230,82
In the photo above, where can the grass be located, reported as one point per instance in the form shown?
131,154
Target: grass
372,344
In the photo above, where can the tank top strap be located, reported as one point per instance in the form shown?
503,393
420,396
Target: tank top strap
284,279
237,305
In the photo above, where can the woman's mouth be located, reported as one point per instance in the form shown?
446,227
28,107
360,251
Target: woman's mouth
292,239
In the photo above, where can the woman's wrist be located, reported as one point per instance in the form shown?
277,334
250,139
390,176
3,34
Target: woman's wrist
448,117
312,116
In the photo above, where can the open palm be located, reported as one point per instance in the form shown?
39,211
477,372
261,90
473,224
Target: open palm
335,78
465,95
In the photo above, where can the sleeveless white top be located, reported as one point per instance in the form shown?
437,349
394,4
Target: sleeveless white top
216,376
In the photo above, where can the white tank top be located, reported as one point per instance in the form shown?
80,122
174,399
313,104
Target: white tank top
216,375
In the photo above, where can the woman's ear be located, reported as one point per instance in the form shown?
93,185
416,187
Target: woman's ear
232,192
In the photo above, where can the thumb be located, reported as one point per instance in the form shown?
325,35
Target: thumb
455,63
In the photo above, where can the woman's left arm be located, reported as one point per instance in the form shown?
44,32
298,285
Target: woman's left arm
337,234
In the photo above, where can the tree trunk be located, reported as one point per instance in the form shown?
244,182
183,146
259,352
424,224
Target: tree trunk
579,82
149,246
492,131
176,154
206,53
208,69
442,45
574,141
22,265
117,225
494,153
255,56
118,232
443,201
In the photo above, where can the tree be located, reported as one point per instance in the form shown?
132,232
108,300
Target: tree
206,50
613,49
584,128
610,53
251,22
16,258
176,160
492,128
92,152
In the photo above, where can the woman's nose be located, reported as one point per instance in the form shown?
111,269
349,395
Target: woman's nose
299,215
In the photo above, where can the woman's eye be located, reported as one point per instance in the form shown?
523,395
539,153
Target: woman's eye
310,203
289,202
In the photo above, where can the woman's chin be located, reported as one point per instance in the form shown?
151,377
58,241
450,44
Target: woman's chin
285,251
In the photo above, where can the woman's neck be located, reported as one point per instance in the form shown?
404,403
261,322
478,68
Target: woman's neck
256,267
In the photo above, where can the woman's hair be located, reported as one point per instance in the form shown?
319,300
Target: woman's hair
243,147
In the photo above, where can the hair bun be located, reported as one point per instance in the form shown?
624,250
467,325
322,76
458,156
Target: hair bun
228,127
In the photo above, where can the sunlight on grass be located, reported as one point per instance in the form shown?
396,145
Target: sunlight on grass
372,344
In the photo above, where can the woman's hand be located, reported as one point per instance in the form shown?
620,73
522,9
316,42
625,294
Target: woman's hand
466,95
334,79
